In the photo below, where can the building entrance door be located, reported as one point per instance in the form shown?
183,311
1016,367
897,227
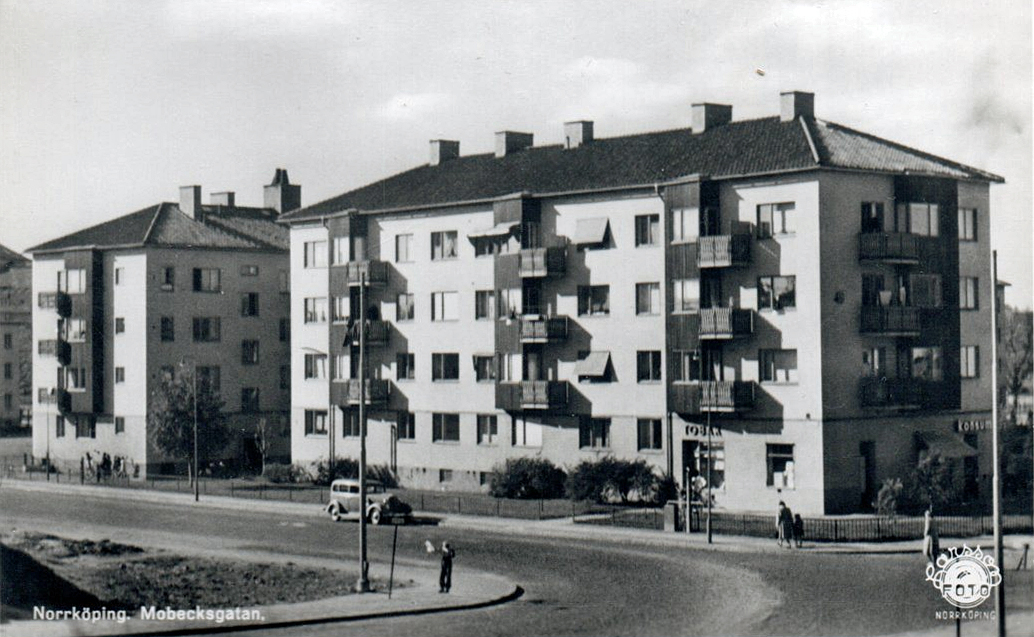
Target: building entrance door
867,450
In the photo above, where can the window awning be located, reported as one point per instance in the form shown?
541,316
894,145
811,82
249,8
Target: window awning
591,231
593,366
946,445
499,230
310,350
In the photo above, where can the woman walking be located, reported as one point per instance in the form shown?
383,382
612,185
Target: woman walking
784,524
931,543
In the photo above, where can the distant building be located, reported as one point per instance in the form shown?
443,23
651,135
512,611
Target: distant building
16,335
821,296
122,302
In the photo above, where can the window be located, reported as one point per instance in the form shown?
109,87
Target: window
685,224
443,245
593,300
923,218
488,429
284,281
445,306
8,402
315,422
775,219
872,216
445,475
120,374
649,434
968,293
285,330
779,460
8,370
487,246
250,304
778,365
926,363
59,426
647,228
404,307
119,275
967,224
249,352
925,290
85,427
406,423
75,378
351,426
701,456
872,286
484,304
647,298
340,308
340,250
648,366
8,341
405,366
207,329
403,248
594,433
969,356
874,362
685,294
168,279
120,425
71,281
485,478
207,280
445,428
315,366
524,433
211,377
316,310
315,256
510,302
342,367
445,367
484,368
777,292
168,329
74,330
249,400
249,270
508,368
285,377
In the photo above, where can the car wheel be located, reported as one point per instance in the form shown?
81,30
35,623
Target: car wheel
335,514
375,516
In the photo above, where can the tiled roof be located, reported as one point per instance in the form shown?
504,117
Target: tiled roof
749,147
166,225
9,258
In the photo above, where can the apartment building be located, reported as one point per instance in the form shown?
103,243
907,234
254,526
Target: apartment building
816,297
177,283
16,335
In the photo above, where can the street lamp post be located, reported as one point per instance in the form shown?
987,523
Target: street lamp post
710,458
996,485
197,466
363,585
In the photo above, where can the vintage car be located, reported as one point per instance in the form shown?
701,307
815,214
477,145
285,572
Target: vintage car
382,506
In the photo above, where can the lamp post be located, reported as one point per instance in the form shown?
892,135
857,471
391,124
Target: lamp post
710,458
996,485
363,585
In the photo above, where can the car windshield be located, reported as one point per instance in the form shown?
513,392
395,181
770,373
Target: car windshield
375,488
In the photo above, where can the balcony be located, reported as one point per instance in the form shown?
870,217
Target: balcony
891,320
723,396
46,396
543,329
896,392
723,251
375,272
56,347
542,262
720,323
888,247
376,391
531,394
59,301
377,333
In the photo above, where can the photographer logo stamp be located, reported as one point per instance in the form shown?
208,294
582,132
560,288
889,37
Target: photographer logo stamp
965,578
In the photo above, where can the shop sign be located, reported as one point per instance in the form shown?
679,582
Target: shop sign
969,426
695,430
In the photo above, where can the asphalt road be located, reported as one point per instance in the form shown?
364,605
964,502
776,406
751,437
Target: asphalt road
572,588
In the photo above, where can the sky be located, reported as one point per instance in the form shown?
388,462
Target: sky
109,107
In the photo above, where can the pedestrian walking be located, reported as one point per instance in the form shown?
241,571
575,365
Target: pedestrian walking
784,525
931,543
798,529
445,579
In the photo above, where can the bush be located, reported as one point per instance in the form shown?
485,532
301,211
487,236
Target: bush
930,484
608,478
286,473
889,497
528,478
349,468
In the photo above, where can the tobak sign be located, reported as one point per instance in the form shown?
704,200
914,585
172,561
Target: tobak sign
970,426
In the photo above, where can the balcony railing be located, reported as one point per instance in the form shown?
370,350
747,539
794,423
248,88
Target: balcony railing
376,391
712,396
889,247
531,394
890,320
542,262
377,332
725,323
376,272
896,392
59,301
56,347
723,251
46,396
542,329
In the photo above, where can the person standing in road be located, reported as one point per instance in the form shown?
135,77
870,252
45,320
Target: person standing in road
445,579
784,524
798,530
931,543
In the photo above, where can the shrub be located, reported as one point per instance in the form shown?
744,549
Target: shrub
286,473
929,484
608,478
528,478
889,497
349,468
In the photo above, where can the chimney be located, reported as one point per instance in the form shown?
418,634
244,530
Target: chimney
221,199
508,142
442,150
190,201
281,195
707,116
794,104
577,133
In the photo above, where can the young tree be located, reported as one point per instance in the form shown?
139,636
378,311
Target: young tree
170,423
1014,360
262,442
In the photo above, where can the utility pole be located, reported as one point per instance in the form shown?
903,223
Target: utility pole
996,490
363,586
710,458
197,467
